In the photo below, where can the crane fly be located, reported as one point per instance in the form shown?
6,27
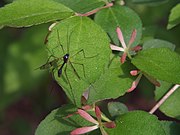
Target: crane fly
67,64
54,63
65,59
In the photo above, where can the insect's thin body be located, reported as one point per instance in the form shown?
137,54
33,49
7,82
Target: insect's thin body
65,59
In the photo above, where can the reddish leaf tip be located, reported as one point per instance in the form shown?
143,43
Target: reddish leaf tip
98,112
110,124
123,57
134,72
137,48
83,130
86,116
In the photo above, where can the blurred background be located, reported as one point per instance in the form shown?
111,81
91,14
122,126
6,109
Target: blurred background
27,94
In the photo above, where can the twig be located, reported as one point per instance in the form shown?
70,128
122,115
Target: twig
171,91
95,10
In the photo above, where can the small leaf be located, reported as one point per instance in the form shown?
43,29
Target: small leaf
171,105
157,43
117,108
88,48
115,82
160,63
137,123
174,18
170,127
123,17
24,13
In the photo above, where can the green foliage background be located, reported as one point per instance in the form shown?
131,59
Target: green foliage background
22,51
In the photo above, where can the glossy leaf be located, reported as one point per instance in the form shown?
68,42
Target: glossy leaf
169,107
160,63
123,17
137,123
174,18
23,13
88,47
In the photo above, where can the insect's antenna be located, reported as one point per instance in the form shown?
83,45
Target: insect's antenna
60,42
68,40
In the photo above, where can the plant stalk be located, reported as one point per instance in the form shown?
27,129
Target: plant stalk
169,93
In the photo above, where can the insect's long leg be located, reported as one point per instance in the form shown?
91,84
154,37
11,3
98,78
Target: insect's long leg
65,72
50,57
82,50
68,40
47,64
52,51
59,42
111,60
76,71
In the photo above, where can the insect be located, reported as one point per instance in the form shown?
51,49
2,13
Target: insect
65,58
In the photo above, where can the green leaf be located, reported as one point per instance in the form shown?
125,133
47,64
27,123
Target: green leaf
88,47
82,6
162,90
117,108
160,63
170,127
157,43
169,107
121,16
137,123
58,123
174,18
23,13
113,83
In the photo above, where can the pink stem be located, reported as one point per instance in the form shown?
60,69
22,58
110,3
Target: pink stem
135,83
95,10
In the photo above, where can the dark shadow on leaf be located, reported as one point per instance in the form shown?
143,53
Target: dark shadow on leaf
126,68
174,128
